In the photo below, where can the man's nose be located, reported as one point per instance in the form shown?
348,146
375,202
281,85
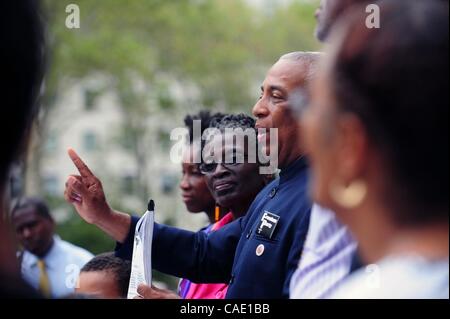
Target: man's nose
260,109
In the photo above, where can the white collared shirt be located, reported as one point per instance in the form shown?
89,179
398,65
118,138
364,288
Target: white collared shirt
326,258
398,277
63,263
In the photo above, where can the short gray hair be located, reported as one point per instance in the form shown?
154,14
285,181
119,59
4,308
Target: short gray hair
309,59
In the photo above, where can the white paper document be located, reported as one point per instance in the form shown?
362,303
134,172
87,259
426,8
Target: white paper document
141,263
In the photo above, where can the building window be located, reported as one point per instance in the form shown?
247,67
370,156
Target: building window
90,142
127,140
51,185
89,99
168,183
16,180
129,184
51,144
164,140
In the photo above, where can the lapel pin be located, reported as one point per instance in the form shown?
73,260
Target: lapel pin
260,250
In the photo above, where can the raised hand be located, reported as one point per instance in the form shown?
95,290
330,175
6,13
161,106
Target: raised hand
85,192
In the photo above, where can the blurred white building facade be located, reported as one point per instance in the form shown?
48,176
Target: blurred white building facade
91,124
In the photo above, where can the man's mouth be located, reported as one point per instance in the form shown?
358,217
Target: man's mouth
262,137
223,186
262,133
187,197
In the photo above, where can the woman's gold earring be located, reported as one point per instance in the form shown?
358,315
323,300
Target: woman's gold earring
351,196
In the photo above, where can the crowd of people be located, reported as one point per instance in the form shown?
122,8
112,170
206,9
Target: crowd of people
358,207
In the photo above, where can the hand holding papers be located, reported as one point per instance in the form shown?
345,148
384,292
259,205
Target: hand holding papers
141,264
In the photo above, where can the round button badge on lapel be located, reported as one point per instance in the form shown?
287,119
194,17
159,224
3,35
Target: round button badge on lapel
260,250
273,192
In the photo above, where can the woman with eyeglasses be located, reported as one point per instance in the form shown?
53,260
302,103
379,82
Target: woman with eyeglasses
233,182
233,176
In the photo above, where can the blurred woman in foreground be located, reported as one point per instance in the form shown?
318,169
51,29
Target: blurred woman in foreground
377,132
22,66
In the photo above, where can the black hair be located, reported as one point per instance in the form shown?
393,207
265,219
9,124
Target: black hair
395,79
235,121
205,117
22,66
39,205
240,120
109,262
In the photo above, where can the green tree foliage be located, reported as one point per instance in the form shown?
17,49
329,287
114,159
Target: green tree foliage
216,44
222,47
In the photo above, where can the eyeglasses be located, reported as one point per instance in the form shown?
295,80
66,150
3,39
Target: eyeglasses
230,159
209,168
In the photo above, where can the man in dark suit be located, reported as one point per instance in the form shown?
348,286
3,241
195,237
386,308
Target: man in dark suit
255,254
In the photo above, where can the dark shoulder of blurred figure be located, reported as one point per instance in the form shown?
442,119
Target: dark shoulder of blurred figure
22,65
48,263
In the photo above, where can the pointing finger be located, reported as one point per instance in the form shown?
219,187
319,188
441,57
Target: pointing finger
81,166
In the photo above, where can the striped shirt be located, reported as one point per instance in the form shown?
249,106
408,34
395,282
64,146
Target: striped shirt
326,259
